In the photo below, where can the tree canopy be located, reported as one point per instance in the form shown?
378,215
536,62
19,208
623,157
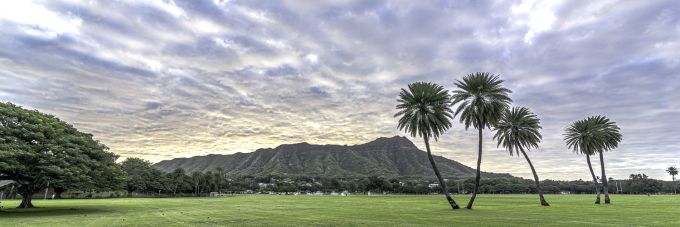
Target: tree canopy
37,148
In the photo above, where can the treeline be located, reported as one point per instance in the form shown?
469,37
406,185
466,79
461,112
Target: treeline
142,177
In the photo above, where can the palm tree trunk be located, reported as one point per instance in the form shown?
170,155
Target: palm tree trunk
604,181
439,176
538,185
477,175
597,186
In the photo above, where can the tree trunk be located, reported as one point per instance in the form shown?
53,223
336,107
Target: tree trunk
538,185
597,185
439,176
26,200
605,188
477,175
58,191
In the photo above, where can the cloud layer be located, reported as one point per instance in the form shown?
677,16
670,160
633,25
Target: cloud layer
164,79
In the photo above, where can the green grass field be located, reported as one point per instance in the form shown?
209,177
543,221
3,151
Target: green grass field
423,210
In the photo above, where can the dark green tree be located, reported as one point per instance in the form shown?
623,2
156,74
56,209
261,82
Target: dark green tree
424,111
197,181
37,148
517,131
481,100
595,134
219,178
142,176
177,177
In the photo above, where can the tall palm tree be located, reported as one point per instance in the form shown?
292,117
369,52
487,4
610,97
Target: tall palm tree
424,111
482,100
610,135
672,171
517,131
595,134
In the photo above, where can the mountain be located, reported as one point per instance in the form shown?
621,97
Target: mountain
394,157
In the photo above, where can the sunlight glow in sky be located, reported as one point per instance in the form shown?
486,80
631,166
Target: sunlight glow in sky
165,79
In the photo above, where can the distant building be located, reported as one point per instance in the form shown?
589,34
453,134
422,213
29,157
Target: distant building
432,185
265,185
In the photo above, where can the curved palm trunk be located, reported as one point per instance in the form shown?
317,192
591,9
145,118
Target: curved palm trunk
439,176
538,185
604,181
597,186
477,175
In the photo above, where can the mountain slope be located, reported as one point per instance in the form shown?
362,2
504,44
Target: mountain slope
396,156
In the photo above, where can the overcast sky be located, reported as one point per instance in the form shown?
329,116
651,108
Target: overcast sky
164,79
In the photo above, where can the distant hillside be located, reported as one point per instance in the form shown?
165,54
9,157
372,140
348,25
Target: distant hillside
393,157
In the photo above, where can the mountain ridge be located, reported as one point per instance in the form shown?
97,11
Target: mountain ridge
385,156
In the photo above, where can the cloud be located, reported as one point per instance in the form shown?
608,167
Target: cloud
164,79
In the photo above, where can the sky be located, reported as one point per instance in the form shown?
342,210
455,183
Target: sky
166,79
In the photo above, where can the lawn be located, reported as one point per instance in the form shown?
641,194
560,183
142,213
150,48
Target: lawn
403,210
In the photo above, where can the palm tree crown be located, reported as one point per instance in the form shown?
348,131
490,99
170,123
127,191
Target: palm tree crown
518,129
424,110
593,134
482,99
672,171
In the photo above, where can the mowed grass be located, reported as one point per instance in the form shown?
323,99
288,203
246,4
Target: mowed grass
355,210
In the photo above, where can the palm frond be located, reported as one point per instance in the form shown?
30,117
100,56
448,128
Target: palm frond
424,110
481,100
593,134
518,129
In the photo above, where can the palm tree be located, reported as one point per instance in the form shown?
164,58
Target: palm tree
591,135
482,100
517,131
424,111
672,171
610,138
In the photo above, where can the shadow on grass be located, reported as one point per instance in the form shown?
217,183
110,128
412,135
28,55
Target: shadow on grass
50,211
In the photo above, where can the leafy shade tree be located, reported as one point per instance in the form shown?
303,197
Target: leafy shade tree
219,178
37,148
517,131
481,100
424,111
197,180
673,172
142,176
177,178
595,134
